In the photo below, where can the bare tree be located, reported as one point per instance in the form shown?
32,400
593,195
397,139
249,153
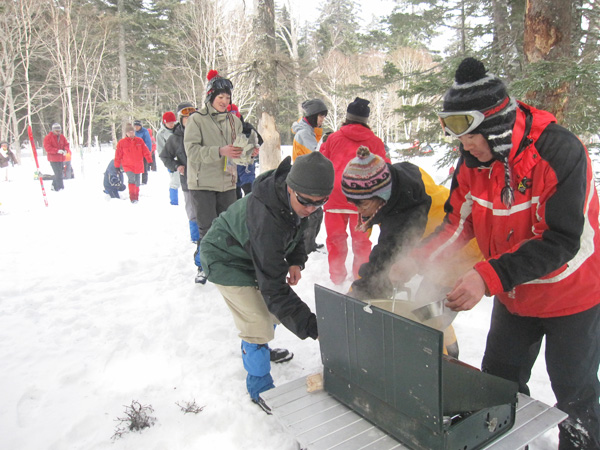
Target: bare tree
266,83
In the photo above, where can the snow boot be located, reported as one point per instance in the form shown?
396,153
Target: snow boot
280,355
201,276
260,402
132,195
174,196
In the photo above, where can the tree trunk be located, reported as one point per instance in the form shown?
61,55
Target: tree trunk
266,84
547,37
123,65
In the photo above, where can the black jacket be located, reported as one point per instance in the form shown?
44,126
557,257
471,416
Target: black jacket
402,221
173,153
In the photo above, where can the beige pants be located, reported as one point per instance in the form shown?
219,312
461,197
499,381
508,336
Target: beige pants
250,313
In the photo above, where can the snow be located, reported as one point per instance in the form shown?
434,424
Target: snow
98,308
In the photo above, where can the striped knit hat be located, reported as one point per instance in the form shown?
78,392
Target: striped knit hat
475,89
367,176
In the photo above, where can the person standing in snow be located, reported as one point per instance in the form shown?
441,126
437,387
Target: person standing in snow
307,134
56,147
254,252
524,188
340,148
144,134
174,157
214,143
7,159
130,155
166,131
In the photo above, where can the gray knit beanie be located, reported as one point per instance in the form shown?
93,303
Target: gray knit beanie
314,106
311,174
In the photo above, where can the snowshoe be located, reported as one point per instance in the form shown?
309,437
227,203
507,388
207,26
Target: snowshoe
280,355
201,276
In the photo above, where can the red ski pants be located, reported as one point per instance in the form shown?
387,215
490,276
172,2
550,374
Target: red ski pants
337,245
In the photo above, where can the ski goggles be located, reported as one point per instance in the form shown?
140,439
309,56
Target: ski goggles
221,83
308,202
459,123
187,111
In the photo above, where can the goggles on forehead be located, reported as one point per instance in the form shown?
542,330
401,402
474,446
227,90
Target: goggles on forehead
459,123
220,83
187,111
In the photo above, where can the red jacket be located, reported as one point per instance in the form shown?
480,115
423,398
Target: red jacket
131,153
54,143
340,148
543,254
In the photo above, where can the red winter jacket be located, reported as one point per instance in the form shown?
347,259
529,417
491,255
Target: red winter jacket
543,254
54,143
340,148
131,153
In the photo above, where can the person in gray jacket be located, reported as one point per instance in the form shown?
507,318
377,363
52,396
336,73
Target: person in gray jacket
166,130
214,144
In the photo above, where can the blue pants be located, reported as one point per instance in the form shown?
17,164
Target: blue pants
257,362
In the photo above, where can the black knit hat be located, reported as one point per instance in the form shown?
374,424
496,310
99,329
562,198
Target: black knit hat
358,110
311,174
475,89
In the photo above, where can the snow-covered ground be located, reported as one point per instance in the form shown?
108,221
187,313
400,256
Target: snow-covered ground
98,308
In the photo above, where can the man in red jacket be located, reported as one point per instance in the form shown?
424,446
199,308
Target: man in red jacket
130,155
57,147
524,188
340,148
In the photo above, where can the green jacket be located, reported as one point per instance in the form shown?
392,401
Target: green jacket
205,132
254,243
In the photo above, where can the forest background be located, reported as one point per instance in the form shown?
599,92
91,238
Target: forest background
94,65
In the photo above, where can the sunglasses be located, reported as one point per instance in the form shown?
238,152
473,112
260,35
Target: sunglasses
187,111
459,123
308,202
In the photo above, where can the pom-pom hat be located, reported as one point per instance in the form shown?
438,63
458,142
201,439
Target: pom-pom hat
217,85
367,176
476,90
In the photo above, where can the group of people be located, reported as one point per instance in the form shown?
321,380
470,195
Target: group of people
519,223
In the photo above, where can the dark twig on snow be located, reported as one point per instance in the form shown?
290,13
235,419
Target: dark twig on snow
137,417
190,407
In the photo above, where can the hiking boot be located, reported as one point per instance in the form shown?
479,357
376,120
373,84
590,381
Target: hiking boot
260,402
280,355
201,276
